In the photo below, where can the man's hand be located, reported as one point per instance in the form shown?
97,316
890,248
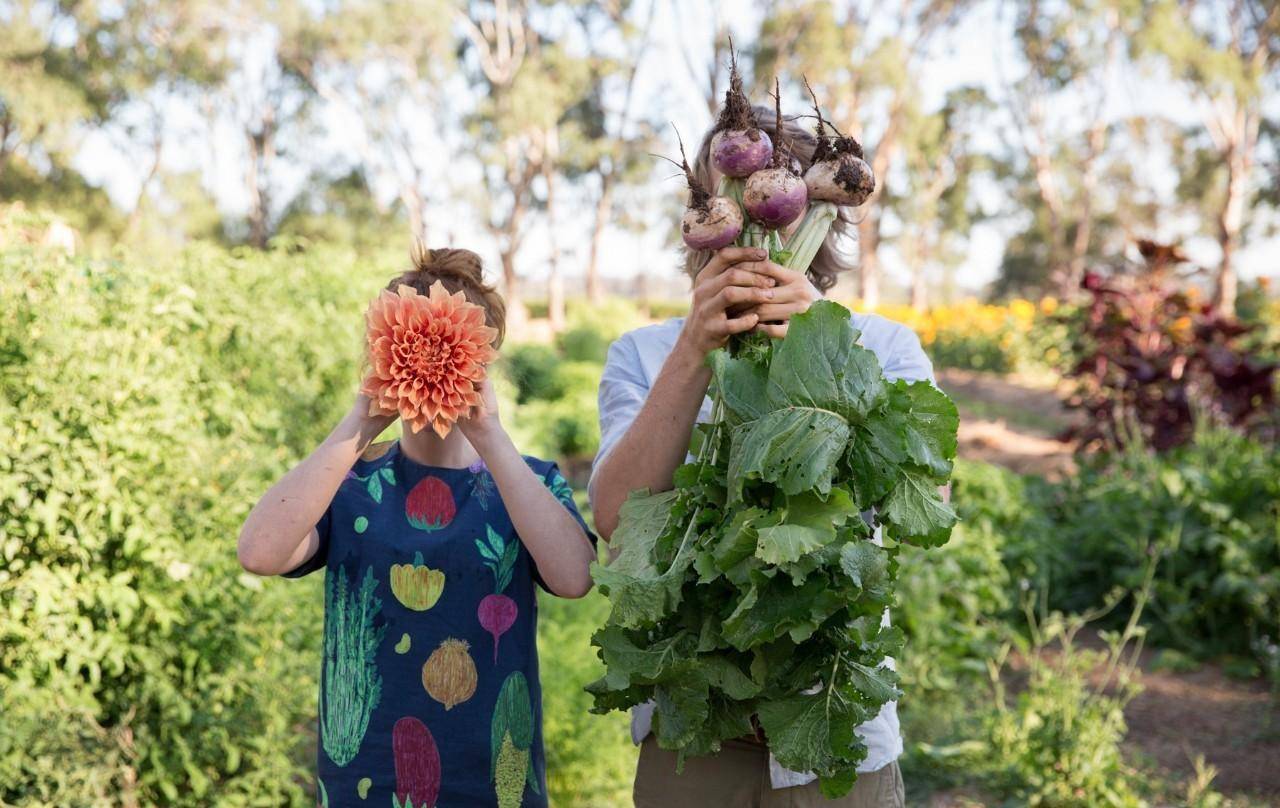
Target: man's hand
724,294
792,294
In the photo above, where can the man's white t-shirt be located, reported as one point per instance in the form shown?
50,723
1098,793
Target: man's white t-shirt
634,362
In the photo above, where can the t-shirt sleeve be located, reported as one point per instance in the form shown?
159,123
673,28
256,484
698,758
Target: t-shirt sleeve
907,359
623,390
321,556
558,485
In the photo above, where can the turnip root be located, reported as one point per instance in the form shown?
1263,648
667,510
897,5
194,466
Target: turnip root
776,196
739,147
838,174
710,222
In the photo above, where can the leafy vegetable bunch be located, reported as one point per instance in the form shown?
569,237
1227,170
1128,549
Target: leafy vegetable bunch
753,592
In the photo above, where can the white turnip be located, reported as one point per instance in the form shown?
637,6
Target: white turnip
776,196
739,147
710,222
839,174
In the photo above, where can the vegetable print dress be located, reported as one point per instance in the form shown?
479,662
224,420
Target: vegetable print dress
429,691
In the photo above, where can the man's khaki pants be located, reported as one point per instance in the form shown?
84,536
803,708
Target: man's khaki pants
739,777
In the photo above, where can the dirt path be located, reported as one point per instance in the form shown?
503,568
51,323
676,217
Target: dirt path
1010,421
1233,724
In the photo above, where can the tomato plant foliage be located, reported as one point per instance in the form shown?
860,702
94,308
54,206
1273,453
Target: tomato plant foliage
753,590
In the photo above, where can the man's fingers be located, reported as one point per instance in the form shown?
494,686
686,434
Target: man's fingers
770,312
727,257
738,325
731,296
738,276
775,330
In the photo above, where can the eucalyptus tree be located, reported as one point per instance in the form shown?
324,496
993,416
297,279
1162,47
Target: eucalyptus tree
1227,55
863,59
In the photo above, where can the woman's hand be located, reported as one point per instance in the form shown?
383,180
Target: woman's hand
482,422
725,293
792,294
371,418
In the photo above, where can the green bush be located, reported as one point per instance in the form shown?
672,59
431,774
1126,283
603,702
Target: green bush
143,408
533,370
590,758
1209,511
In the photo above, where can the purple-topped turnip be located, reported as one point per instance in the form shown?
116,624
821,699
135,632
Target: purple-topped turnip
776,196
739,147
839,174
710,222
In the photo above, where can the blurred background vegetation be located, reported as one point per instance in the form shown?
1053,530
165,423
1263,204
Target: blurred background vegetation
197,200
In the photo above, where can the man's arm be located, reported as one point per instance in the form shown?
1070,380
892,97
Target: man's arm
656,440
654,446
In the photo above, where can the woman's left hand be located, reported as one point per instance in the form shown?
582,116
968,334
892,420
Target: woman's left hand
483,420
792,295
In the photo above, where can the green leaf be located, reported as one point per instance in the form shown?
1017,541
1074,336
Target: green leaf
786,543
680,709
772,608
929,427
796,449
917,513
723,673
743,384
820,365
872,459
799,729
641,520
388,474
627,663
375,488
867,566
878,685
739,539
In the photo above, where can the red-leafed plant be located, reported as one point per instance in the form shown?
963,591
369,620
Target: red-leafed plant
1149,359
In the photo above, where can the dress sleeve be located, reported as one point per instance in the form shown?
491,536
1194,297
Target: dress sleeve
320,558
623,390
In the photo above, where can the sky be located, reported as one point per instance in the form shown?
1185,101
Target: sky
979,51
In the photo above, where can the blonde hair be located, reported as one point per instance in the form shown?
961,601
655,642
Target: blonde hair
459,271
828,263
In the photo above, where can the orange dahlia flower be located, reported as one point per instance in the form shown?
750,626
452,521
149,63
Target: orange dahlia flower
427,355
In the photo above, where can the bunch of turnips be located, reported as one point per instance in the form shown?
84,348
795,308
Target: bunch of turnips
762,191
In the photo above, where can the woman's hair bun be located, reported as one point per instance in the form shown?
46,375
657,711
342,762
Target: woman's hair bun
448,263
459,271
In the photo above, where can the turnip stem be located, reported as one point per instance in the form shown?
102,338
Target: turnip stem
807,240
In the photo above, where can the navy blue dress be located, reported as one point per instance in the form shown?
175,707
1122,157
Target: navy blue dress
429,691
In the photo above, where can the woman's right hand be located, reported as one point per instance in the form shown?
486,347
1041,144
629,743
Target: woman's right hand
371,419
732,282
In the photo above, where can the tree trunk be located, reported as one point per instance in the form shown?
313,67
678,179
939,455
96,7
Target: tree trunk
604,207
1230,219
415,205
517,312
135,215
555,282
1084,228
869,260
261,152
